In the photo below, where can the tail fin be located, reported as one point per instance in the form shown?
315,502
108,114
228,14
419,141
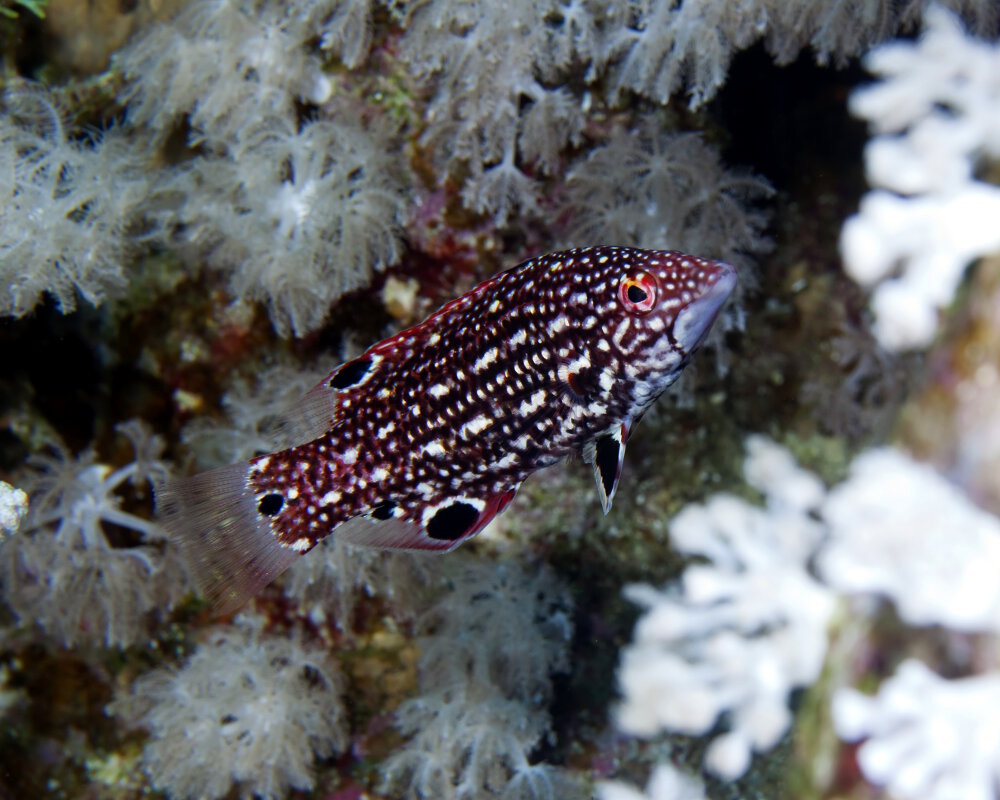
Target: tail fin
227,543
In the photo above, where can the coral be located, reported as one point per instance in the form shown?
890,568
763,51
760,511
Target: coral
488,649
897,528
663,47
497,105
337,575
296,213
296,216
659,48
934,113
260,415
67,204
927,737
501,76
741,633
82,568
344,27
13,508
651,188
220,65
864,388
665,783
246,708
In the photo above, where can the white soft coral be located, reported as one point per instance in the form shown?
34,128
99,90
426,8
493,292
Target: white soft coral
488,649
246,708
66,205
297,215
66,573
221,64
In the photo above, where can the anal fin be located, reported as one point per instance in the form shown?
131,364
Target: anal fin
442,527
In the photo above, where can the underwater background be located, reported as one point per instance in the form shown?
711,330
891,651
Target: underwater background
208,205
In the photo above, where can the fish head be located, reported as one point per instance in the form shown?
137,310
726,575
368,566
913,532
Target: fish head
664,304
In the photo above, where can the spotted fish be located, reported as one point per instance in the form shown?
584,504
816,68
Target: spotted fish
423,439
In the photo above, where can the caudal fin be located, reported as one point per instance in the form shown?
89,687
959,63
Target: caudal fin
227,543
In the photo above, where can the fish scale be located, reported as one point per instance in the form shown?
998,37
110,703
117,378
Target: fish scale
420,441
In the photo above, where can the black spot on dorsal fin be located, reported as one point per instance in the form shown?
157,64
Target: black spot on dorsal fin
351,373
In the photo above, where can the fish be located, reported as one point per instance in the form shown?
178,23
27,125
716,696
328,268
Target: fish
419,442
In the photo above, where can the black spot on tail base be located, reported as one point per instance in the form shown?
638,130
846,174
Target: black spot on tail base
270,504
452,522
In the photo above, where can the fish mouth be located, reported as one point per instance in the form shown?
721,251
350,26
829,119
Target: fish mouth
696,318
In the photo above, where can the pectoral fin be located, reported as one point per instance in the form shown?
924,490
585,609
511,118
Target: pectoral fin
607,454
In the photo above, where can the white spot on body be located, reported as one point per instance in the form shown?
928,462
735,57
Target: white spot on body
434,448
330,498
558,324
620,331
439,390
507,461
578,364
532,404
301,544
475,425
518,338
386,429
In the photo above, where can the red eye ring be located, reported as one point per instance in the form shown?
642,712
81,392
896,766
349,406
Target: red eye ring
638,292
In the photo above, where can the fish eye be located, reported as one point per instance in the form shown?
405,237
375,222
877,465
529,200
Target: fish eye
637,292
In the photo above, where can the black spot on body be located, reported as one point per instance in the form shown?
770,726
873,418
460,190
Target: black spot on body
351,373
636,293
383,510
452,522
606,458
270,504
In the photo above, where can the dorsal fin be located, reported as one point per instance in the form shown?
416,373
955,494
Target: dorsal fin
317,411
